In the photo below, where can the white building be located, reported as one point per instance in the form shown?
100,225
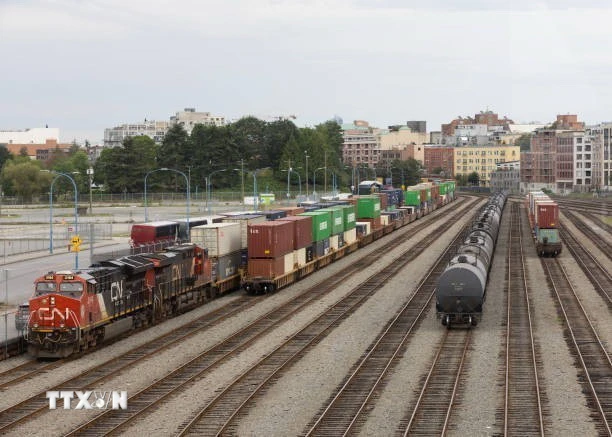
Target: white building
156,130
37,135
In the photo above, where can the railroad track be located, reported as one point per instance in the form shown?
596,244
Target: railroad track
25,371
435,401
601,207
522,412
222,412
595,238
598,275
347,409
599,222
586,345
36,404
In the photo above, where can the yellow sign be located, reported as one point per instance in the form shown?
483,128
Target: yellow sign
76,240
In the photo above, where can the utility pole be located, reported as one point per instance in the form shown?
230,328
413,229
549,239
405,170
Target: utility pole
90,173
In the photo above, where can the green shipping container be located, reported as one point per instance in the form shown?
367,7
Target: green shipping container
337,219
412,198
551,235
349,215
428,193
368,207
443,187
321,224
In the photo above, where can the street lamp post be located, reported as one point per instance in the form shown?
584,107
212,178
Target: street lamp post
314,189
255,189
76,215
306,154
90,173
187,188
209,186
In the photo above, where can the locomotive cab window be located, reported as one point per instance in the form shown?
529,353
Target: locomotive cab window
69,287
45,287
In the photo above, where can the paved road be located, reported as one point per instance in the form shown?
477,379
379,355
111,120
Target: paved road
18,272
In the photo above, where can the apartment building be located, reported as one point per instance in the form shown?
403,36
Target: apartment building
483,160
361,144
439,156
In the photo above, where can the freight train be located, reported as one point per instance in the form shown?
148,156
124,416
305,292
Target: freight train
543,213
461,288
73,311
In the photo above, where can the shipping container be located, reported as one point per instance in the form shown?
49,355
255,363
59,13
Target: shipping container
226,266
219,238
337,219
384,200
275,214
546,214
291,210
334,244
321,248
244,221
412,197
321,224
375,223
363,229
289,263
350,236
299,256
268,268
270,239
368,207
302,230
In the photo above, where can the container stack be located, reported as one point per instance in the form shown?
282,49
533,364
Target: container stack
244,221
336,238
321,231
349,215
302,239
368,210
270,249
223,243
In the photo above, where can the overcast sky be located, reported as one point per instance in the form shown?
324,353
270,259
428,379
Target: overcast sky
85,65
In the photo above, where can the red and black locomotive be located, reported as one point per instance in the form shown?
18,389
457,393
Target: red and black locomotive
73,311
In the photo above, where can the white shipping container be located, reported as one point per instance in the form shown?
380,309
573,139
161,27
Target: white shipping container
244,223
333,242
384,219
350,236
289,262
219,238
367,225
299,257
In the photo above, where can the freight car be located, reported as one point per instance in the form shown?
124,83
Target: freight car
158,234
334,235
461,288
72,311
543,213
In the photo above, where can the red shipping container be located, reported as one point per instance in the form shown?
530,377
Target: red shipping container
547,214
375,223
384,200
270,239
302,230
423,194
268,268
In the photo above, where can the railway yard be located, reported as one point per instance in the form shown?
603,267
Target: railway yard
356,348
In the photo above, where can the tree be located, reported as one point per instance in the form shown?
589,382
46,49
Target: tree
5,155
23,178
473,178
524,141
